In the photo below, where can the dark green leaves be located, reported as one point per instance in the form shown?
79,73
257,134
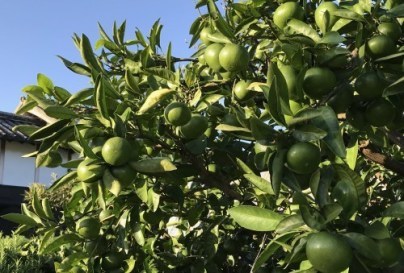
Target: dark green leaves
396,210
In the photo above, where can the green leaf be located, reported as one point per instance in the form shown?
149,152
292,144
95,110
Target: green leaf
345,173
153,99
328,122
348,14
87,54
332,38
276,170
207,101
352,150
262,132
312,218
289,223
84,144
65,179
59,241
60,112
49,130
26,129
37,94
138,234
37,206
76,67
141,38
168,57
131,82
397,11
260,183
79,96
231,128
45,83
255,218
270,249
308,132
244,167
364,245
295,26
396,210
101,100
61,94
20,219
278,98
153,165
395,88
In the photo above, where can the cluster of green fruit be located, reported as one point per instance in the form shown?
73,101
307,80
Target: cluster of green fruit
329,252
96,245
226,59
188,125
116,153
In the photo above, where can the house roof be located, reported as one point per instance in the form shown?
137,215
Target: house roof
9,120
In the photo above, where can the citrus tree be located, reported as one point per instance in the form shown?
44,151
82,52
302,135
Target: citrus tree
277,147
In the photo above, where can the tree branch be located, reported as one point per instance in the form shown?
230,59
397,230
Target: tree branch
386,161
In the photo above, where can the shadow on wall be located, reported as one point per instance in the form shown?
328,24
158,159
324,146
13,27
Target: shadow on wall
11,198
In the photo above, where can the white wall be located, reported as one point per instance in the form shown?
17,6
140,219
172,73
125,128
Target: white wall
19,171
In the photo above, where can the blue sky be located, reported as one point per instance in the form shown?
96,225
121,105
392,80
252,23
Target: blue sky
34,32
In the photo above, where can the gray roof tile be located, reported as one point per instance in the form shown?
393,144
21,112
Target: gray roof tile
9,120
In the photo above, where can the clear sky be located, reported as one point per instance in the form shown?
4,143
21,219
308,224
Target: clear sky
34,32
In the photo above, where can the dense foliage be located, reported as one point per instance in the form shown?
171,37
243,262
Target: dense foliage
19,255
277,147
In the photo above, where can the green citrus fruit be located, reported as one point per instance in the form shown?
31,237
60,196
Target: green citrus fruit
241,91
177,113
303,157
391,29
96,247
195,127
88,227
234,58
342,98
369,85
390,251
88,171
287,11
112,260
380,46
328,252
116,151
125,174
212,56
380,112
319,15
318,81
203,35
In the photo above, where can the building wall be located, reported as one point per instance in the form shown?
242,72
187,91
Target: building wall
19,171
